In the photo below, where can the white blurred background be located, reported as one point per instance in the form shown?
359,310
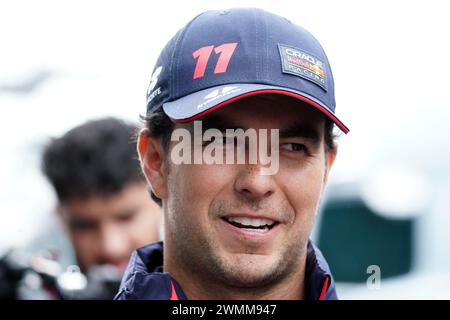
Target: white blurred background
65,62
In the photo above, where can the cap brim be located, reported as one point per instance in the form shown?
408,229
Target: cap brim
198,104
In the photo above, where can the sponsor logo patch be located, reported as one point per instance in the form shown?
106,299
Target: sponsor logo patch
154,80
217,94
302,64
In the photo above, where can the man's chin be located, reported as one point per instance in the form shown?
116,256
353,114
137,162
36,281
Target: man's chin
251,270
122,266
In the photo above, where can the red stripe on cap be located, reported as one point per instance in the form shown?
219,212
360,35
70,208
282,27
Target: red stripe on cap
277,91
173,294
324,289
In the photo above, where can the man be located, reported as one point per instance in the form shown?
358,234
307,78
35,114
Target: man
103,198
237,231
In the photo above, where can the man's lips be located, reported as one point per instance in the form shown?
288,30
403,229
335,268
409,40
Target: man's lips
119,264
250,222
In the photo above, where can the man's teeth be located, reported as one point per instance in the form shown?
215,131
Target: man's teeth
248,222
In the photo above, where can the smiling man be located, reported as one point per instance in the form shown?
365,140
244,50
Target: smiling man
231,230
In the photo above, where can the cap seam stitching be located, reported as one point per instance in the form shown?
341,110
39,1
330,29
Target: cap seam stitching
178,48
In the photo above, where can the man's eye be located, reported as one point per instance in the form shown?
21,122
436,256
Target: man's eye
82,225
126,217
293,147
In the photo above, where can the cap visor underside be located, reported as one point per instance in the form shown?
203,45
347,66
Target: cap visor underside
198,104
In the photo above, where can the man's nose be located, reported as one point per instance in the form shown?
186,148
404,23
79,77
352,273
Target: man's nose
252,184
113,244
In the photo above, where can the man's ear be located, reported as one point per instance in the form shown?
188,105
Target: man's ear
151,155
330,156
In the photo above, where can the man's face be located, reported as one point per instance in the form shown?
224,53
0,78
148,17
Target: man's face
106,229
215,213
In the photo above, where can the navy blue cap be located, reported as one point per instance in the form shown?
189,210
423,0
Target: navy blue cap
223,56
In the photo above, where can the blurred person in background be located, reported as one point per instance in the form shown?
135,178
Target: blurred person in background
105,209
103,198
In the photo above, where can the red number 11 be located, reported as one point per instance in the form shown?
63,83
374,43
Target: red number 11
225,51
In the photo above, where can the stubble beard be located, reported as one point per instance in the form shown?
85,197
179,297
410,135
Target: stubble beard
199,255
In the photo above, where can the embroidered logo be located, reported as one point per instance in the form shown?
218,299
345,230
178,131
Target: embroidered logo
152,85
302,64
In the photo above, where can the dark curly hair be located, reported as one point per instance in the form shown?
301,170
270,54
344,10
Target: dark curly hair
96,158
159,125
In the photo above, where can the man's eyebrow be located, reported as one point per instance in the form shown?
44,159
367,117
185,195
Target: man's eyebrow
220,124
295,130
129,212
300,130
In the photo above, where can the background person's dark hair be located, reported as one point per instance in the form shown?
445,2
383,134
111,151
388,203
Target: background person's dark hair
96,158
159,125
